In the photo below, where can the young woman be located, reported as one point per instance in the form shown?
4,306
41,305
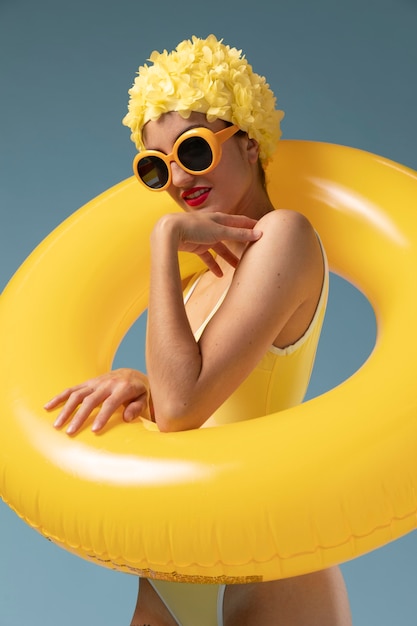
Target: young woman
239,341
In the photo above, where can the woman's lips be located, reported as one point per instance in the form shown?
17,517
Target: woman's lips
196,196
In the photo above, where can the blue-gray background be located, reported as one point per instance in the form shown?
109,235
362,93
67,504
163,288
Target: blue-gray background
343,70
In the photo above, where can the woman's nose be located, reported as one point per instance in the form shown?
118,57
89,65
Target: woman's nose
179,177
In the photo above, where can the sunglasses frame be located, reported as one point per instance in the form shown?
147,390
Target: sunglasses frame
214,140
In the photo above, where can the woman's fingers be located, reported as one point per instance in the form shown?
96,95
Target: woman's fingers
211,263
237,227
203,232
135,409
62,397
72,398
212,228
119,397
222,250
237,221
107,393
83,407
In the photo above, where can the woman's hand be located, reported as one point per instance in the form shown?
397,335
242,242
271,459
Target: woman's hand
121,387
199,232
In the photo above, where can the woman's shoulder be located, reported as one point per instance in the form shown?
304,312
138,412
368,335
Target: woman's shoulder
291,250
286,217
290,229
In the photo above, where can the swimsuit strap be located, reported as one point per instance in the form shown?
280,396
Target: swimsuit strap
192,285
187,294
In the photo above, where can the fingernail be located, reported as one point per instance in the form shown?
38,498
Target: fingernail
58,422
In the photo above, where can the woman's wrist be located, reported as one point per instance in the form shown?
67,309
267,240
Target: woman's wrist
166,229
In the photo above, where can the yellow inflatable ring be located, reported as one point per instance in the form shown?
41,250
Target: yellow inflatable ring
286,494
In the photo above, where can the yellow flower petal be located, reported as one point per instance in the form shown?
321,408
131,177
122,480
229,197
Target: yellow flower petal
207,76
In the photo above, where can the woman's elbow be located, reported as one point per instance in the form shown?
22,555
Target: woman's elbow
174,417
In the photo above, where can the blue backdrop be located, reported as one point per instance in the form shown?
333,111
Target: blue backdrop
343,70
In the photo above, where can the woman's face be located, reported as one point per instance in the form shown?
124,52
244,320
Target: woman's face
231,187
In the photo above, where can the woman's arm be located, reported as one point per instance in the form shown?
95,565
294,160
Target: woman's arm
278,280
273,295
174,360
125,387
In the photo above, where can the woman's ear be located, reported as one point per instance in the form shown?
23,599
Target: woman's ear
252,150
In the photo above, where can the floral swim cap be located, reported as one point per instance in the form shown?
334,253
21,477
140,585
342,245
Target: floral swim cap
205,76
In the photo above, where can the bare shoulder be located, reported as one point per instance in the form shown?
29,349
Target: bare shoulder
293,265
283,271
288,220
291,234
289,252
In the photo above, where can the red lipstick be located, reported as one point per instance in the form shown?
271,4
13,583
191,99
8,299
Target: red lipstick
196,196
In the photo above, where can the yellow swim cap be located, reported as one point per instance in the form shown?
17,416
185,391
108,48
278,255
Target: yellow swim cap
205,76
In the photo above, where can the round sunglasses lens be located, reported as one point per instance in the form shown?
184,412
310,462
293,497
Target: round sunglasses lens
153,172
195,154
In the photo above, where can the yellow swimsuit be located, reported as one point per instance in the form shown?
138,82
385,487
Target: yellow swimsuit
278,382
